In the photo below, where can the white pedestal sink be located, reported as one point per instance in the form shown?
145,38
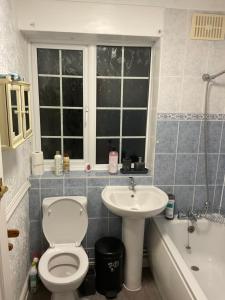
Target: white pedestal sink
134,207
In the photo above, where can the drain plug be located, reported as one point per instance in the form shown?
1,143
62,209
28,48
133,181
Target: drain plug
195,268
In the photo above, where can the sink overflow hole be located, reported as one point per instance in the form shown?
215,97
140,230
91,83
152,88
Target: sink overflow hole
195,268
132,196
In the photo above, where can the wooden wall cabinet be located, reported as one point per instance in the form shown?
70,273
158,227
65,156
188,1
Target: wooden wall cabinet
15,112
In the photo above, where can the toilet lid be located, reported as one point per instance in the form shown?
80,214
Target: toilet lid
65,222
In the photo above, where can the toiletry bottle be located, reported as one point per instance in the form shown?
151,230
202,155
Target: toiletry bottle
140,165
169,211
66,163
113,161
33,278
58,164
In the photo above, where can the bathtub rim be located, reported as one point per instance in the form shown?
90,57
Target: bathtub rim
186,274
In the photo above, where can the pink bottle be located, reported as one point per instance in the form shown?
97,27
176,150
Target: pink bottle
113,161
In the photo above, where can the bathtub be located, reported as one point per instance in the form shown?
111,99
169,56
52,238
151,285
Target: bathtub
171,261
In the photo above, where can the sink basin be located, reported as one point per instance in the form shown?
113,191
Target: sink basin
134,206
144,202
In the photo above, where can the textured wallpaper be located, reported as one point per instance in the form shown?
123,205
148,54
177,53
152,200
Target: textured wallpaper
14,58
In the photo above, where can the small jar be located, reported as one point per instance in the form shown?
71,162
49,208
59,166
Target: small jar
66,163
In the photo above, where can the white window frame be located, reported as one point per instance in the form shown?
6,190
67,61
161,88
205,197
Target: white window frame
49,163
89,104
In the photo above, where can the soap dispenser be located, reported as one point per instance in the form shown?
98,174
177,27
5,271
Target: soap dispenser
113,161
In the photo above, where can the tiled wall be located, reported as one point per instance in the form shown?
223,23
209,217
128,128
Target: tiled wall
101,221
183,61
179,160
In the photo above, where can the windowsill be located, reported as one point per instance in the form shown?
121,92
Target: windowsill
82,174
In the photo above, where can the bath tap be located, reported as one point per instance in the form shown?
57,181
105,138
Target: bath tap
132,184
193,217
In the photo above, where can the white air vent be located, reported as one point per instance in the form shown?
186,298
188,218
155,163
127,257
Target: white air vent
208,27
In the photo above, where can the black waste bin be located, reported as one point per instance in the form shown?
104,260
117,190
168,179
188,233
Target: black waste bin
109,266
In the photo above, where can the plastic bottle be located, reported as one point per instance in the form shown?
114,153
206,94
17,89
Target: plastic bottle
113,161
169,211
33,278
66,163
58,164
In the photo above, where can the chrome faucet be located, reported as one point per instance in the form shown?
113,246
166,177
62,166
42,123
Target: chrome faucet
190,215
132,184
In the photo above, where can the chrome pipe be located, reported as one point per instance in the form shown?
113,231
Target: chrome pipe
208,77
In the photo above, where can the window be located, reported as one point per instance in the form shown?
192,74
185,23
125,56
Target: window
119,109
122,101
60,86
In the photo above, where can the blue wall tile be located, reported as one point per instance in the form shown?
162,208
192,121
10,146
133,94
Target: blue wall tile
188,139
52,183
75,191
217,198
221,170
212,167
183,197
185,169
213,137
123,180
35,182
50,193
200,197
166,136
115,227
35,204
96,208
36,238
164,169
97,228
222,149
74,182
102,181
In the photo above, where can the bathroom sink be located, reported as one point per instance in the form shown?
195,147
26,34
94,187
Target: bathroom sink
134,203
144,202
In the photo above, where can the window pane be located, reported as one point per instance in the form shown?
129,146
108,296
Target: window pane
134,123
72,62
133,148
15,121
135,92
136,61
50,121
72,91
108,123
50,146
108,92
73,122
103,147
49,91
109,61
13,98
74,147
48,61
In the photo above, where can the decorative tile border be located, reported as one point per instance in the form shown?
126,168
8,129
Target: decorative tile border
189,117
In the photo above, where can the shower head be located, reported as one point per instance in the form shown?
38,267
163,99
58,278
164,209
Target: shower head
207,77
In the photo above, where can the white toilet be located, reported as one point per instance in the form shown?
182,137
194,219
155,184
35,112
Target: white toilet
64,265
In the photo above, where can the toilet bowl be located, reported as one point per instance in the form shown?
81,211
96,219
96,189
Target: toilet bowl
64,265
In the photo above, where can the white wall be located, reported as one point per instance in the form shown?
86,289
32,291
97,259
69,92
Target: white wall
183,61
212,5
89,18
16,168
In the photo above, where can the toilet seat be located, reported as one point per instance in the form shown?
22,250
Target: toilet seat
78,252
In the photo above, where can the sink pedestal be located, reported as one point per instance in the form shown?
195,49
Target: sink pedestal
133,239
